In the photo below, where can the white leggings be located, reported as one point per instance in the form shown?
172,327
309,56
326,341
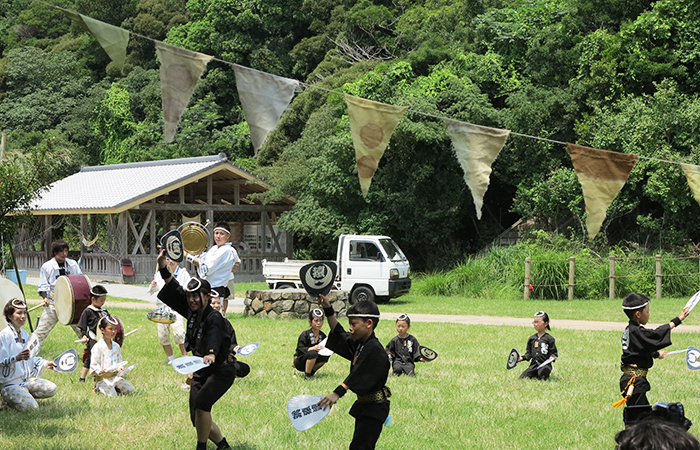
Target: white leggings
113,386
22,398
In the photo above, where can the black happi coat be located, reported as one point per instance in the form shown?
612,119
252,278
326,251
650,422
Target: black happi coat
404,350
207,332
90,319
306,340
540,349
641,345
369,370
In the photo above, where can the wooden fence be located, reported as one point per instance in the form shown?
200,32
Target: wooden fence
659,275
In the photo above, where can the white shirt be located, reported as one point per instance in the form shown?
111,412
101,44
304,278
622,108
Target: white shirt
216,264
13,372
103,358
182,277
50,271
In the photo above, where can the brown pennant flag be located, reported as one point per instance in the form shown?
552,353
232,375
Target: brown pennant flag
477,148
112,39
602,175
371,125
180,71
692,174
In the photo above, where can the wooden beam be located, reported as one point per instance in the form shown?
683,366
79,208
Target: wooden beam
215,207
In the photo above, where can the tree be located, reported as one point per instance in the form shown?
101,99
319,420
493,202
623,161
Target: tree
25,175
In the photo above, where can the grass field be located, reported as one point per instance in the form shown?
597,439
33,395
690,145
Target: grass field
464,399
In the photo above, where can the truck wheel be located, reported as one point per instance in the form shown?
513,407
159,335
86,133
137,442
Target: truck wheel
285,286
361,294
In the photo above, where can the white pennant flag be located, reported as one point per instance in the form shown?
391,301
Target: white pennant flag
180,71
477,148
264,98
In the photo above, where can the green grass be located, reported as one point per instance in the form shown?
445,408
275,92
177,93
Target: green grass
464,399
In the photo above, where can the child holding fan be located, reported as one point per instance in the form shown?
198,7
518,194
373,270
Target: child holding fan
105,355
540,347
403,349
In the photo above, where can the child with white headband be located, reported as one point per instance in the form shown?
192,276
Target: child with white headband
403,349
306,356
20,374
541,346
105,355
369,369
639,348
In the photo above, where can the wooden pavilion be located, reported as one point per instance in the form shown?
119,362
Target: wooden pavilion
120,212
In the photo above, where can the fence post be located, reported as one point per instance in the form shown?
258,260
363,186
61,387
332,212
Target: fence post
612,278
658,276
526,290
572,269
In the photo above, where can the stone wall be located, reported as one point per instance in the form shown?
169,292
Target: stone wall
289,303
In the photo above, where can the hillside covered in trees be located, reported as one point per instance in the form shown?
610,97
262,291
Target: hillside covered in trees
619,75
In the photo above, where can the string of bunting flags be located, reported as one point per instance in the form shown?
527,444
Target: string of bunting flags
264,98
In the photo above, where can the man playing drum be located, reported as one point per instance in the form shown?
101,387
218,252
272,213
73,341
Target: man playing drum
59,265
218,263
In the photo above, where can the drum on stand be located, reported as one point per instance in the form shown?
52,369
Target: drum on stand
71,297
119,337
8,291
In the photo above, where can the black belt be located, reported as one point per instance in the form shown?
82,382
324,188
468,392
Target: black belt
375,397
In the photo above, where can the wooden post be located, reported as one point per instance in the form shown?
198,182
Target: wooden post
572,270
526,290
3,144
48,223
612,278
658,276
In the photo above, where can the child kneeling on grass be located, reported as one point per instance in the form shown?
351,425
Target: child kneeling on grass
369,369
540,347
403,349
105,354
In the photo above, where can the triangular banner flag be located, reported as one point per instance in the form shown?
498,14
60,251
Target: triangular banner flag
371,125
264,98
477,148
180,71
601,174
692,173
112,39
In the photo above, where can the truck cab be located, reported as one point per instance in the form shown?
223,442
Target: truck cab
372,267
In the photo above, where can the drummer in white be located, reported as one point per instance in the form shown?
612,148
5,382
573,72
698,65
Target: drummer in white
218,263
59,265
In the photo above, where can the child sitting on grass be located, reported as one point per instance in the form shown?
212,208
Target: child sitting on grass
540,347
403,349
105,354
88,322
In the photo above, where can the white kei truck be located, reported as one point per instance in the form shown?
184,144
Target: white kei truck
369,267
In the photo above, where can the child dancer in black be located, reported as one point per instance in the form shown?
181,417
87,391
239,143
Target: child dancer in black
369,370
540,347
89,320
306,357
403,349
639,348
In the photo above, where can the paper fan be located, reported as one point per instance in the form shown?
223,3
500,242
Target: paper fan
304,412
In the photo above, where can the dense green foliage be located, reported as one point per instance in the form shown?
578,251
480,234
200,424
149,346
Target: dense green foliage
500,272
619,75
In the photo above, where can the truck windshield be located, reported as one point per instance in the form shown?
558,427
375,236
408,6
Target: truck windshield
392,250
